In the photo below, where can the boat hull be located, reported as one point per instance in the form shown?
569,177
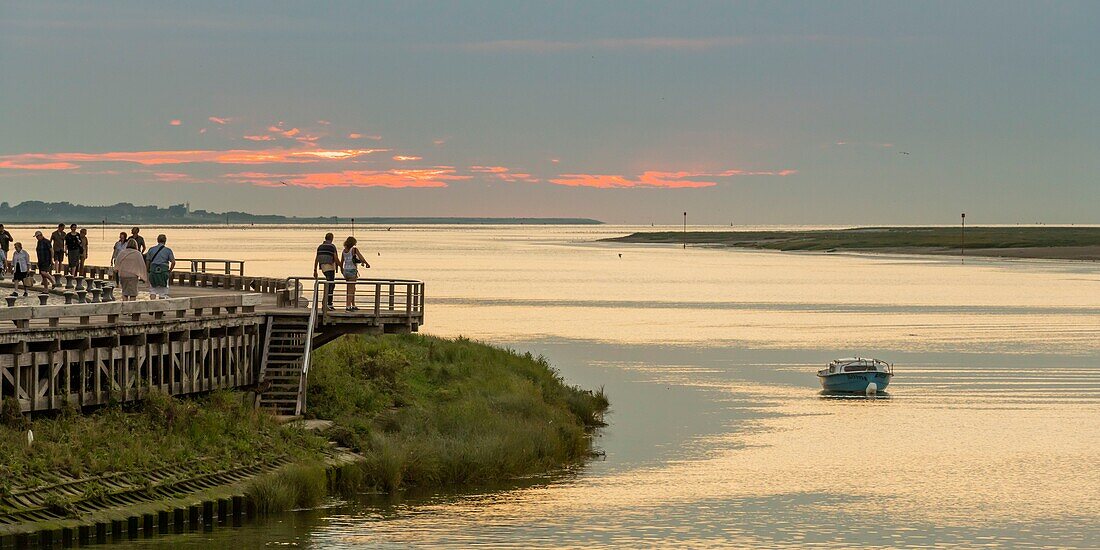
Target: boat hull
854,382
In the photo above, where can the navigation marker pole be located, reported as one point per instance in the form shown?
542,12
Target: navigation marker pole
963,237
685,230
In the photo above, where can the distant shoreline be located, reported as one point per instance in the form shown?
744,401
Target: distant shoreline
1049,243
37,212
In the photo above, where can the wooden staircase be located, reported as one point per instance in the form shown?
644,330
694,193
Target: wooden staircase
282,368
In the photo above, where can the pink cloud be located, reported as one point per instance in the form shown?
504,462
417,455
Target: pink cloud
219,120
18,165
155,158
323,122
659,180
406,158
504,173
395,179
175,122
259,137
357,135
172,177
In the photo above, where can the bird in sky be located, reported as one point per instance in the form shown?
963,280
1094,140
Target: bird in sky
285,183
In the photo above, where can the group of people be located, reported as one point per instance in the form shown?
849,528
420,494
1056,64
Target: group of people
132,263
130,260
348,260
50,254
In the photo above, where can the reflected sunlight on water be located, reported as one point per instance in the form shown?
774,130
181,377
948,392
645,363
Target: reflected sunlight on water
989,434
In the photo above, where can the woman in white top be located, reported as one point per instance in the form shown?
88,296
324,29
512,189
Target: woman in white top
350,259
21,268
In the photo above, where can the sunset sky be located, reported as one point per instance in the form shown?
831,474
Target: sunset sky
628,112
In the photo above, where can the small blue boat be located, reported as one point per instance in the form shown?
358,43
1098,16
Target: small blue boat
856,375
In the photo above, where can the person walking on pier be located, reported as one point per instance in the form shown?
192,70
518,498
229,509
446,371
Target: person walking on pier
74,249
45,260
350,259
58,240
326,262
83,247
130,265
21,268
5,241
138,239
120,245
161,262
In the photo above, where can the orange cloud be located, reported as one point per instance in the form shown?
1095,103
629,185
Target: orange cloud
504,173
658,180
259,137
172,177
356,135
154,158
394,179
405,158
175,122
219,120
17,165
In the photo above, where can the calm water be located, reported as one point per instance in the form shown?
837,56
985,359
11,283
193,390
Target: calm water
718,436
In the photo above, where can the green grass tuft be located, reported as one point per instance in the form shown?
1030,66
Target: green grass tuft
427,411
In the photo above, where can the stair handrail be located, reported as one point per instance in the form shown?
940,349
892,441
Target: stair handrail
307,355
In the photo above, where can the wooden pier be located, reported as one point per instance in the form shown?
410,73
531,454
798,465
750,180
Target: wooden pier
219,330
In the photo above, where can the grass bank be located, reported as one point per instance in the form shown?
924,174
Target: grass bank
423,412
428,411
217,432
1080,243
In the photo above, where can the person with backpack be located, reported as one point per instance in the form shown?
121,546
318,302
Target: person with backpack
350,259
325,260
161,261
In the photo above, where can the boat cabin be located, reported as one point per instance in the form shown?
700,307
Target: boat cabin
856,364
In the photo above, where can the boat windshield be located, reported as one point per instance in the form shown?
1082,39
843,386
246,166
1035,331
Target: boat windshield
859,368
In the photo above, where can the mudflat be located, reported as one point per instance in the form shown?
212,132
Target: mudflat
1062,243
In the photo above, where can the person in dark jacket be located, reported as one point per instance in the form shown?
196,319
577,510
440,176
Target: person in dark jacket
5,241
44,251
74,246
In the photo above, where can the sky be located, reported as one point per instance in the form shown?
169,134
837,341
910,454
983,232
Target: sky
848,113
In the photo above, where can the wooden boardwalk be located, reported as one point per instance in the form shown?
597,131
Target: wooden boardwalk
219,330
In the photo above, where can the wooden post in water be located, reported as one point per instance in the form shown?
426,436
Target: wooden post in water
963,237
685,230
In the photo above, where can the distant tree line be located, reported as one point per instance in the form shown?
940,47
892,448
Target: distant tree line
127,213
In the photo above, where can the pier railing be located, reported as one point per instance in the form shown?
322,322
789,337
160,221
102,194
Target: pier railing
372,296
214,265
110,313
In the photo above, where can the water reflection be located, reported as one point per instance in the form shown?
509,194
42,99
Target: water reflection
989,434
